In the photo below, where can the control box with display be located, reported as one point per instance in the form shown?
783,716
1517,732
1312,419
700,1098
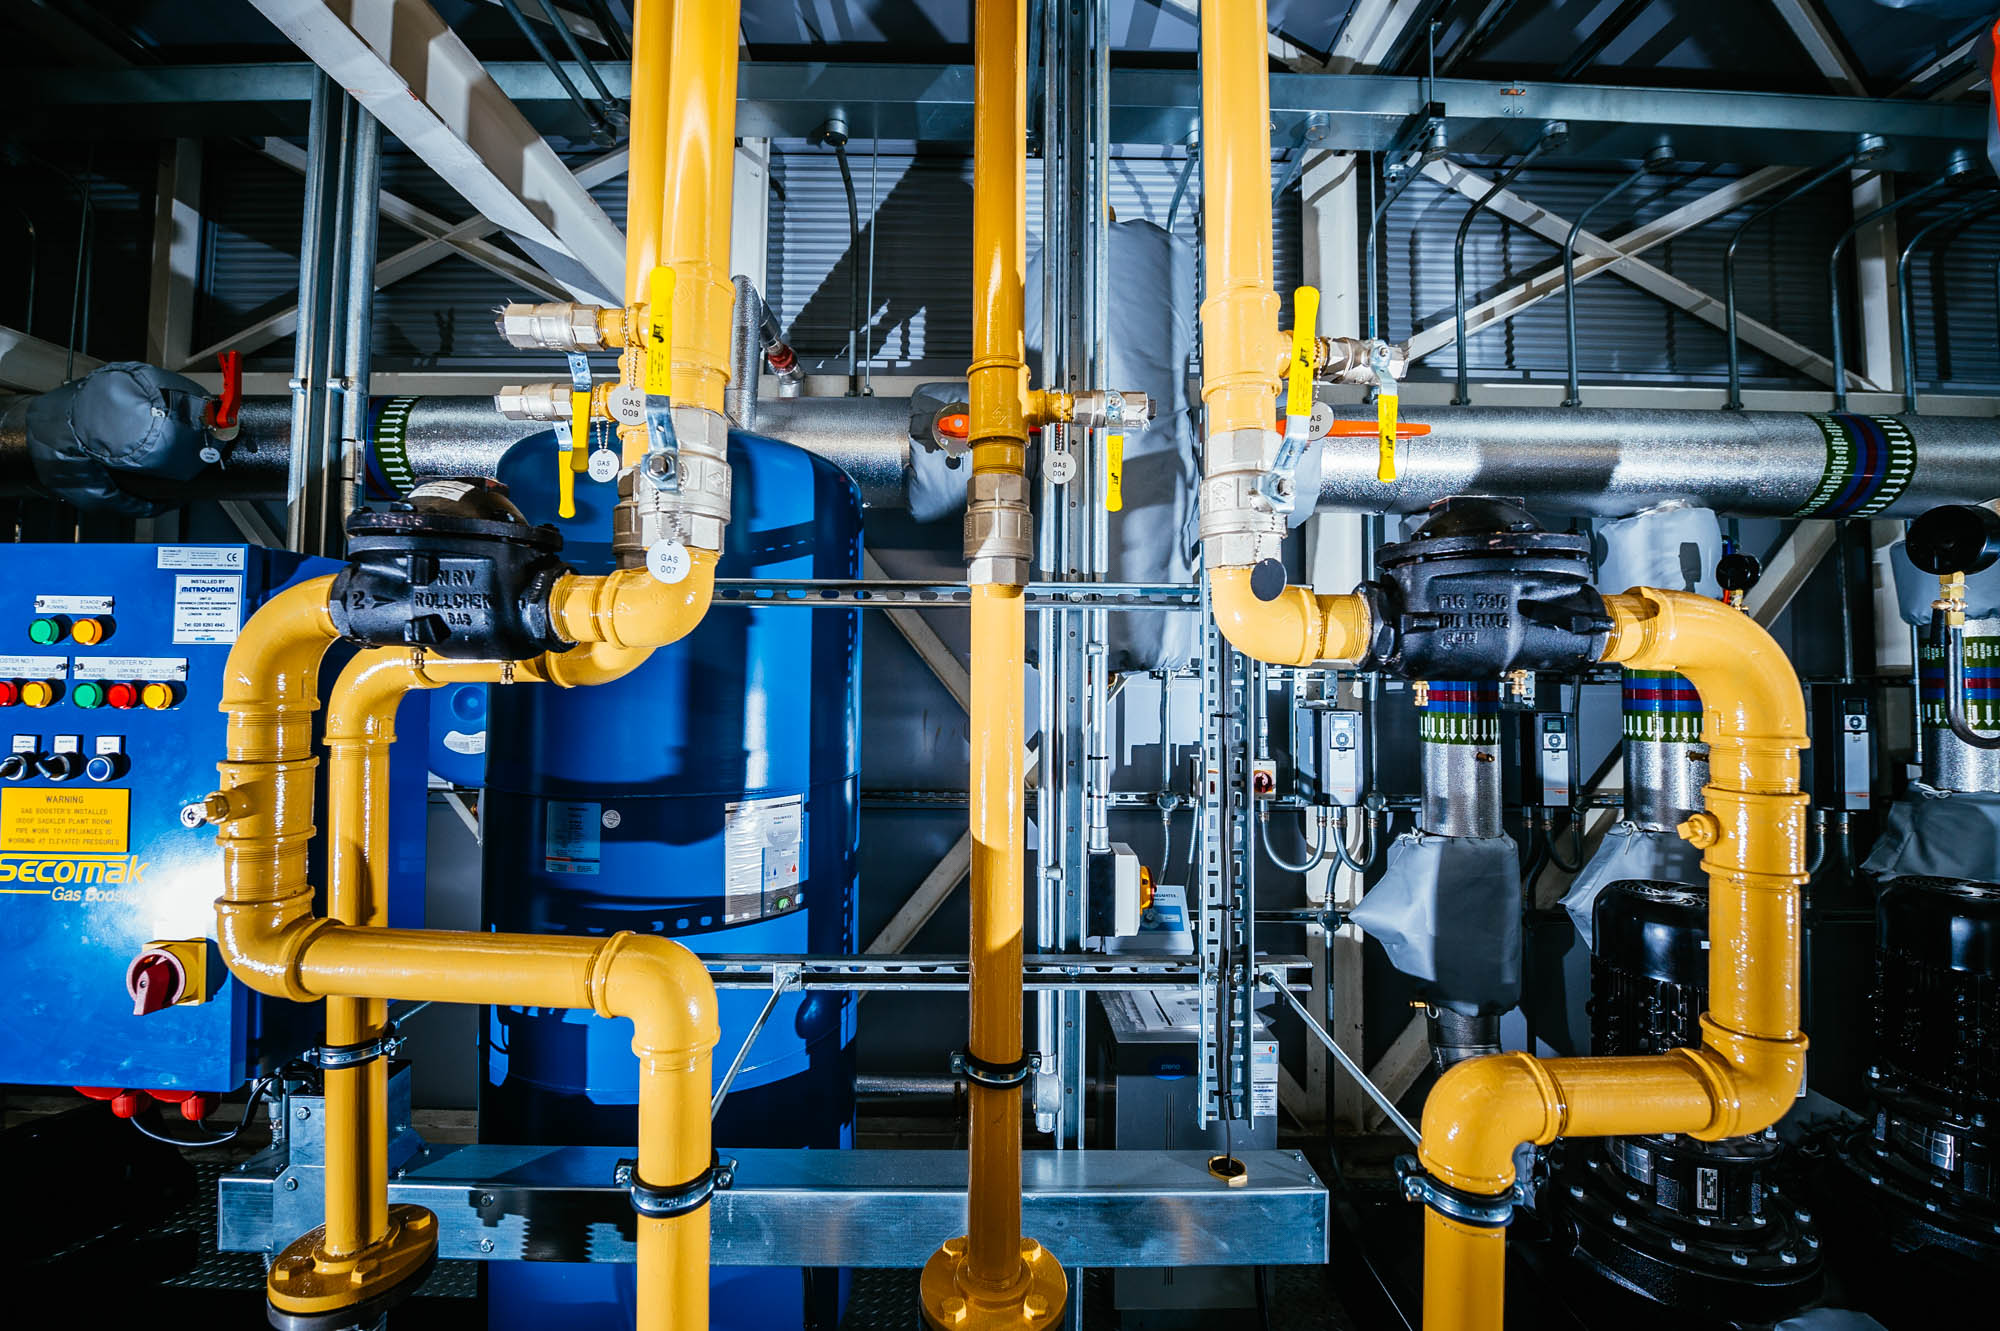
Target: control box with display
111,670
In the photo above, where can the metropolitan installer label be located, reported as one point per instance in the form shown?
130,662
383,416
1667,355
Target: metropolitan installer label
570,842
208,607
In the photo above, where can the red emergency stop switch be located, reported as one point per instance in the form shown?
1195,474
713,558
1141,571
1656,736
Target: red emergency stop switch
155,980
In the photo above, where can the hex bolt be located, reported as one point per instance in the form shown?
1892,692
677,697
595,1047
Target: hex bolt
302,1113
1576,1192
1678,1244
486,1199
1618,1219
1788,1257
1739,1258
486,1245
291,1185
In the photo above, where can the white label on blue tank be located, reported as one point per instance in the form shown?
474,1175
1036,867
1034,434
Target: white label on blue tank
571,844
760,857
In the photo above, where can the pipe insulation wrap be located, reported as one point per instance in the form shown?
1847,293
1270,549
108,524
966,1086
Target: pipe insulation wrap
1610,462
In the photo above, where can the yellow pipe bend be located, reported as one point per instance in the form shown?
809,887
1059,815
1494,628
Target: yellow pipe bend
1750,1064
631,608
1298,628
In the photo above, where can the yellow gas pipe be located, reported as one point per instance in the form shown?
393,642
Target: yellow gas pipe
273,942
993,1277
1749,1066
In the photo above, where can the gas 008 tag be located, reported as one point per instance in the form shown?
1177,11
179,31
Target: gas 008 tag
668,561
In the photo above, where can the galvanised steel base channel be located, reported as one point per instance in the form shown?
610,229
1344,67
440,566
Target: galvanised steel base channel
814,1208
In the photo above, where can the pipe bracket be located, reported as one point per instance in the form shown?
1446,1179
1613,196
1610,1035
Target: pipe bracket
330,1056
998,1076
1468,1208
658,1203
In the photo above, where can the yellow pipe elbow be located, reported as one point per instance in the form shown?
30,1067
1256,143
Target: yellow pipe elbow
1297,628
1479,1111
631,608
662,988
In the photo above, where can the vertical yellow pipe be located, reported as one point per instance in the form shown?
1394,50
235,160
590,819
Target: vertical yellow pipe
1465,1272
646,142
999,722
1240,344
997,379
701,162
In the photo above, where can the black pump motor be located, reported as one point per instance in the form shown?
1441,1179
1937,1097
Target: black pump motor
455,569
1695,1226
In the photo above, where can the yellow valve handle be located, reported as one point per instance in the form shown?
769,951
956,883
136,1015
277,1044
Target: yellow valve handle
1385,436
566,475
579,430
660,333
1114,473
1305,323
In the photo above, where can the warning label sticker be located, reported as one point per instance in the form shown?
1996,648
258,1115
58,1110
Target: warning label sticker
760,864
207,607
570,842
76,822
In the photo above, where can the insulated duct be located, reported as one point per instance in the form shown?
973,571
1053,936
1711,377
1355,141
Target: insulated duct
1611,462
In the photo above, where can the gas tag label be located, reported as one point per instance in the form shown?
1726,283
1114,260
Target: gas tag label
207,607
668,561
200,556
65,822
571,843
603,465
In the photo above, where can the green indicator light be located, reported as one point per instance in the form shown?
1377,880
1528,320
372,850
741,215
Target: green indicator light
45,631
89,694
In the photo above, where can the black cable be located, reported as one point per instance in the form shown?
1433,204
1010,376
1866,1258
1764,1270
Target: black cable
853,273
1567,866
600,128
257,1093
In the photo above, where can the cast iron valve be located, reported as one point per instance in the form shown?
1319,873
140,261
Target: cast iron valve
1483,590
454,569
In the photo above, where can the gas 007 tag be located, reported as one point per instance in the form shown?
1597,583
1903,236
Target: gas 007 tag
668,561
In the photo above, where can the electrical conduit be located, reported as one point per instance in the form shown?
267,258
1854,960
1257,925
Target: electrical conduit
994,1277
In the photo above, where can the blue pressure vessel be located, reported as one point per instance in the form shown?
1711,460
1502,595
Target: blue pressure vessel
710,796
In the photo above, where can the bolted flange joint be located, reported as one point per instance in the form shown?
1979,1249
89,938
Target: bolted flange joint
954,1301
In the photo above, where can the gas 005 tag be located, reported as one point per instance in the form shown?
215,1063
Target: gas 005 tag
668,561
603,465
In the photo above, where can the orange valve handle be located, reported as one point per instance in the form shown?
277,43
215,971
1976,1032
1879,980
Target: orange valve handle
1372,430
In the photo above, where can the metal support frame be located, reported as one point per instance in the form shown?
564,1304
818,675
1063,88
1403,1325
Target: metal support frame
176,253
1461,398
35,365
1225,934
330,362
1654,281
405,64
1951,223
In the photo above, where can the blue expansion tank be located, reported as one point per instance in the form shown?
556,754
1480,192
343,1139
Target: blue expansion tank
710,796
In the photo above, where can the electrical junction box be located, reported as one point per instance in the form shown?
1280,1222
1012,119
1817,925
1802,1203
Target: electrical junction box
111,670
1839,763
1339,757
1114,892
1554,756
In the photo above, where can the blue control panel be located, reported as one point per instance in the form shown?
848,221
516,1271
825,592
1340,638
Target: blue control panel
111,668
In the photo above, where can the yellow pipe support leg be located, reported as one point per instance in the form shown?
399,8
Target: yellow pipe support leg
1750,1064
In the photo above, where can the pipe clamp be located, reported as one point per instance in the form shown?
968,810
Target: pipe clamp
659,1203
997,1076
1468,1208
331,1056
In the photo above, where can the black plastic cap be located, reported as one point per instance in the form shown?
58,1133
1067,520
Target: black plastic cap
1955,538
1267,580
1738,572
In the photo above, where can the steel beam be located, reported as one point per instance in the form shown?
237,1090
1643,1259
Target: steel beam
1653,281
410,70
441,240
176,254
33,365
1822,45
815,1208
933,104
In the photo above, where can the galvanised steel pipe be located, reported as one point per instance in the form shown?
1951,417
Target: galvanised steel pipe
1906,315
1867,147
1610,462
1659,157
1961,164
